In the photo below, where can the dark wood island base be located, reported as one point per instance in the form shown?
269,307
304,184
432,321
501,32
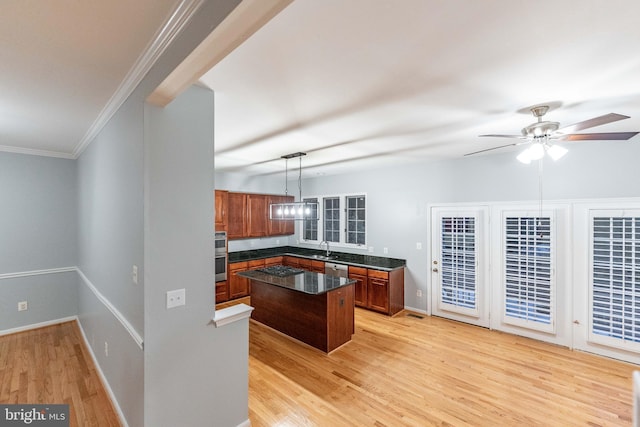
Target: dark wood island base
324,321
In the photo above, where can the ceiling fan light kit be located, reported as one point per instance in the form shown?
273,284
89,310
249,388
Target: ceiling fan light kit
539,134
537,150
296,211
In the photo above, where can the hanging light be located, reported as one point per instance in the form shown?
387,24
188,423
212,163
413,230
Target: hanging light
296,211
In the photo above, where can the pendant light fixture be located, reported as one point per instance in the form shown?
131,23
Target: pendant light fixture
297,211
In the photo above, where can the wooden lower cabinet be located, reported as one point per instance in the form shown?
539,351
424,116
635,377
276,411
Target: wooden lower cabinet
238,286
317,266
276,260
291,261
222,291
378,290
359,274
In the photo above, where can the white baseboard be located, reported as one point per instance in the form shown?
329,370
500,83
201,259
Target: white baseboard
105,383
38,325
417,310
246,423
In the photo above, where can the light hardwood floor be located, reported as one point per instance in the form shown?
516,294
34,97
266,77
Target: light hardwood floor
395,372
419,372
51,365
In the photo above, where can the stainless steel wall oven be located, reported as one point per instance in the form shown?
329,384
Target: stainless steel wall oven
221,256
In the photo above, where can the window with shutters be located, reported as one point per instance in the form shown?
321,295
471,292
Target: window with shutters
615,279
459,266
529,284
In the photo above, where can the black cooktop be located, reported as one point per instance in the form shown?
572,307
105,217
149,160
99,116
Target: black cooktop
280,270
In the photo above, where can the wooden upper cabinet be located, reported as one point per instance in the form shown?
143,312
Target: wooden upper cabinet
279,227
236,215
221,209
257,215
247,215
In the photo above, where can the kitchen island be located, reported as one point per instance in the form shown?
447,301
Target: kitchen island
315,308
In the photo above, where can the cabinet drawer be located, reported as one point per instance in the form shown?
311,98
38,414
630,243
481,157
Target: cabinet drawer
357,270
277,260
379,274
256,263
242,265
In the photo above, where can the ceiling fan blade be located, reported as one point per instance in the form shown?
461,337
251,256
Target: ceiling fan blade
493,148
607,136
596,121
504,136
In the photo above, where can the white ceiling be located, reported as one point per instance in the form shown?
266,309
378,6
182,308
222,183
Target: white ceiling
354,83
65,65
367,83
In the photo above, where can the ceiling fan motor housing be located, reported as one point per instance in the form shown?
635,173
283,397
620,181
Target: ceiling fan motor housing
540,129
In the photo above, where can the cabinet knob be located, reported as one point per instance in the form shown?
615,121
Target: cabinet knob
435,270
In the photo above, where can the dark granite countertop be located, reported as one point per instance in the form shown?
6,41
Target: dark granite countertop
307,282
367,261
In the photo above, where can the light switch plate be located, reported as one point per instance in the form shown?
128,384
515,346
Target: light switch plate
176,298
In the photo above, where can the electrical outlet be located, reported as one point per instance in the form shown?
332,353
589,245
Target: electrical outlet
23,306
134,274
176,298
371,249
419,293
106,349
385,250
419,245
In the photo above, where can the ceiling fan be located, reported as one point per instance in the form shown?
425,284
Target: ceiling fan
539,135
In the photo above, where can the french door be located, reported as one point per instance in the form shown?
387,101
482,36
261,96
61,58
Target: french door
610,322
459,265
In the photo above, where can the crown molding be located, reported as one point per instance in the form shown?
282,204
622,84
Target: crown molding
181,15
34,152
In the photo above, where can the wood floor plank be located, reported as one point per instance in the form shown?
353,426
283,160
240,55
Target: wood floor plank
405,371
51,365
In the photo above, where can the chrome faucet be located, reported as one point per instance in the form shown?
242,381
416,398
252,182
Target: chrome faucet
328,251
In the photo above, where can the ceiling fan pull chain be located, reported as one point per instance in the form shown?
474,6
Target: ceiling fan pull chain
540,170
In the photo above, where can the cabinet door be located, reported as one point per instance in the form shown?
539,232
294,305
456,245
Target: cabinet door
317,266
221,201
359,274
238,286
279,227
360,289
222,291
304,263
257,215
288,227
291,261
378,294
236,215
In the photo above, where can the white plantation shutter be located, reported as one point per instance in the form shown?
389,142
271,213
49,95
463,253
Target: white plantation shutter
615,280
529,283
459,266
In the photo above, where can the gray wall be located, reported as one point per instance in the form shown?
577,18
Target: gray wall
37,232
111,229
197,370
399,197
111,237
